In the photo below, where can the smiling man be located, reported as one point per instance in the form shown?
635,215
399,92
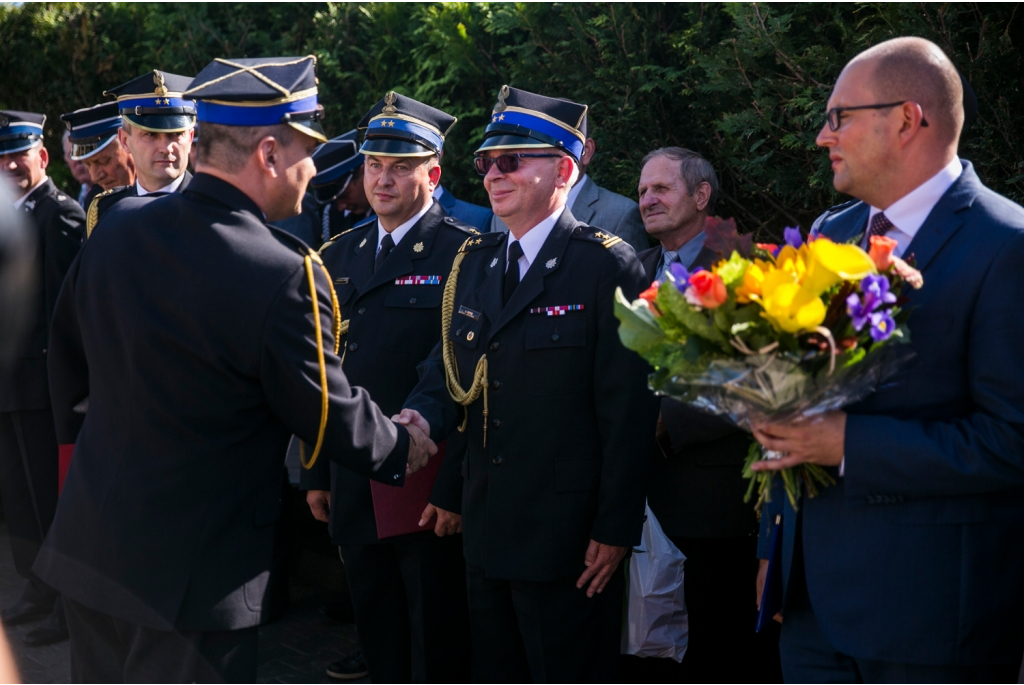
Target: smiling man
93,132
910,567
156,128
557,414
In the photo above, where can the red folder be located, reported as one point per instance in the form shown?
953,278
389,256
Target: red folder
64,453
398,509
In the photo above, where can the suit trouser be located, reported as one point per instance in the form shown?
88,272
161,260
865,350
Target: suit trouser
808,656
106,649
28,484
409,599
543,632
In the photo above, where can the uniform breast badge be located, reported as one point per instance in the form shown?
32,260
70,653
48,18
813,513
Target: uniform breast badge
560,310
418,247
362,243
494,262
551,263
418,280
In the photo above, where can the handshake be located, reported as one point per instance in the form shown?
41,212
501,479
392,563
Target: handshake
421,447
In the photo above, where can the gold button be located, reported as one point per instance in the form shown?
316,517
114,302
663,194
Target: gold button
470,335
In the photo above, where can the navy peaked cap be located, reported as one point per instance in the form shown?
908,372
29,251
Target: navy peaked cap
336,161
91,129
154,102
523,119
20,131
398,126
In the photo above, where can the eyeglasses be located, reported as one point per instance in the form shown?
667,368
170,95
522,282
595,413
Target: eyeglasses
506,163
832,116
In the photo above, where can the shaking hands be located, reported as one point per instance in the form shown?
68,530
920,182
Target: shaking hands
421,447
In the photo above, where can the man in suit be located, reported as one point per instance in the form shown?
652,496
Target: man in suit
597,206
95,143
910,567
156,129
696,487
199,354
28,446
557,414
408,591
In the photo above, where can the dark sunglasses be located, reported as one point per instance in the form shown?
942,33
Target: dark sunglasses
832,116
506,163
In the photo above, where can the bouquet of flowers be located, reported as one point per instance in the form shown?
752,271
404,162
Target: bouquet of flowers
774,333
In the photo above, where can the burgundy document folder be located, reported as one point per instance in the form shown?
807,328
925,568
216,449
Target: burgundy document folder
398,510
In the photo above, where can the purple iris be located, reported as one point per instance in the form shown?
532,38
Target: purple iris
882,325
679,276
875,290
793,237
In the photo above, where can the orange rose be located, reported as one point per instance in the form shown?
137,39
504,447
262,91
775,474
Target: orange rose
881,251
708,288
649,296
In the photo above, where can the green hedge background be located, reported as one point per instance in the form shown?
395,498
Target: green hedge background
744,84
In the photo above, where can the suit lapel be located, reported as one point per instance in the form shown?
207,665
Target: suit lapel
492,290
943,220
549,259
363,256
400,261
649,259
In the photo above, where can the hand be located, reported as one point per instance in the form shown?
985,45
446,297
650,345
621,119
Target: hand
762,573
819,440
601,561
448,523
319,502
421,449
412,417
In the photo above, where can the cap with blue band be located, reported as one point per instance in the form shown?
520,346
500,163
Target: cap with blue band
91,129
398,126
154,102
526,120
263,91
20,131
336,161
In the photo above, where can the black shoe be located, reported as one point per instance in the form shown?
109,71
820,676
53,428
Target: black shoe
51,631
351,667
24,611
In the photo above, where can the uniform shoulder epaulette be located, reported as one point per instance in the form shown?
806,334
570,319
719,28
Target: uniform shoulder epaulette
474,242
92,217
330,242
596,235
461,225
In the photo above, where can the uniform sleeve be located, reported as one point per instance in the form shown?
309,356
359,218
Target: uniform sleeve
979,453
63,234
431,399
67,367
627,412
358,435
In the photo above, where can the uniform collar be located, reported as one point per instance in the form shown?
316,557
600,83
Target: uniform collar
401,231
533,240
21,200
225,193
171,187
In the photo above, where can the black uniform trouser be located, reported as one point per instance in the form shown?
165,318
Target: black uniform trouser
409,598
105,649
526,631
28,484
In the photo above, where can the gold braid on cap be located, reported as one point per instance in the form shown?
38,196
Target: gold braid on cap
451,371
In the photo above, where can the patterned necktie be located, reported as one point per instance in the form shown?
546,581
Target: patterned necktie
515,251
386,246
666,261
880,225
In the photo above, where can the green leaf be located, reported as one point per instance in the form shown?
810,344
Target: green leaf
638,329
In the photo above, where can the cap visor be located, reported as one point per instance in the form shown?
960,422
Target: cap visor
508,142
394,147
9,147
172,123
80,152
313,129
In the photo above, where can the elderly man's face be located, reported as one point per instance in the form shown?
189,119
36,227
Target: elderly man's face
111,167
666,204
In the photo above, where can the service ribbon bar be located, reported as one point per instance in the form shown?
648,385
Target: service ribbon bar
418,280
560,310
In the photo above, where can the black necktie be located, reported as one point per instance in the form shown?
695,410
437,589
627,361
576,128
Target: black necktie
880,225
386,246
515,251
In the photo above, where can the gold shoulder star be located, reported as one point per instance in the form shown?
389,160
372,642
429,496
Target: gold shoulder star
601,235
477,241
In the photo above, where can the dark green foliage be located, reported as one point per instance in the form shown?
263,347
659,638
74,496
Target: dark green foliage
744,84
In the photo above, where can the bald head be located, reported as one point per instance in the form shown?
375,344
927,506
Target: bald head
917,69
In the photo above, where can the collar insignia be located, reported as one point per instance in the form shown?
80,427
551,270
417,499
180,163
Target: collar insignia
418,247
551,263
362,243
494,262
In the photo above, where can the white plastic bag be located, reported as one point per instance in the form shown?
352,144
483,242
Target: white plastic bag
656,620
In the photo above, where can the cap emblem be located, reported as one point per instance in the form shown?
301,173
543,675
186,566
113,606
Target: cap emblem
500,107
389,105
158,81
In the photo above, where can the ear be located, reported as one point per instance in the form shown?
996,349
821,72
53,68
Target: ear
44,156
122,137
267,154
589,148
565,166
435,176
702,196
912,123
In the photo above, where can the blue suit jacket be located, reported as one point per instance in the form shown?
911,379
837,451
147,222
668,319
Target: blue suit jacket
916,555
476,216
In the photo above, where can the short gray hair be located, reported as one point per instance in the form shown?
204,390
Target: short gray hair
693,169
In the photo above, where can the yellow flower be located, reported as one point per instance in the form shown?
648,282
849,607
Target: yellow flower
790,307
830,263
753,277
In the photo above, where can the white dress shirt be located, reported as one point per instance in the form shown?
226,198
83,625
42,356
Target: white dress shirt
172,187
21,200
399,233
909,213
533,240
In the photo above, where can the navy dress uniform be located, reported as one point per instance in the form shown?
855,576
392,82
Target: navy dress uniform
408,591
28,445
151,102
91,130
559,420
209,345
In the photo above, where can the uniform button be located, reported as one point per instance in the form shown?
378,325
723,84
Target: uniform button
495,345
394,477
353,347
495,385
362,310
412,300
458,332
497,460
496,423
554,336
